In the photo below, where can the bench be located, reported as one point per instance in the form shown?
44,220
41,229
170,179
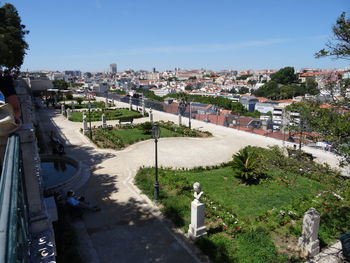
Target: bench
128,119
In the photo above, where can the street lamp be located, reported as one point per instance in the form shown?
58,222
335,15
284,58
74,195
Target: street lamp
189,120
89,105
155,136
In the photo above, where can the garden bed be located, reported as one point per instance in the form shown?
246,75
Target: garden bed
121,136
111,114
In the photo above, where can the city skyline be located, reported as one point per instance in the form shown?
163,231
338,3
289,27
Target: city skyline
90,35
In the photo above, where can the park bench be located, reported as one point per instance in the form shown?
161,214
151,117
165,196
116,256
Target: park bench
127,119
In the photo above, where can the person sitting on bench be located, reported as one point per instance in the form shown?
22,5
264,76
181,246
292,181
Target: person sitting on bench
79,202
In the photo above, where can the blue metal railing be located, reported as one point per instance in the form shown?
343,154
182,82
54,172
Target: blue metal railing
14,228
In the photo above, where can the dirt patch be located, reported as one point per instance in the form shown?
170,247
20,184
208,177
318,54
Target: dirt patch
286,244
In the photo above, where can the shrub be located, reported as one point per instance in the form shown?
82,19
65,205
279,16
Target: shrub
79,100
146,127
246,164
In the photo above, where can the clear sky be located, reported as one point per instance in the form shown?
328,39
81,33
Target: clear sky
141,34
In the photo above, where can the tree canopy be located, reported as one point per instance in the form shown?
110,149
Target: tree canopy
339,47
12,44
285,76
331,124
284,85
60,84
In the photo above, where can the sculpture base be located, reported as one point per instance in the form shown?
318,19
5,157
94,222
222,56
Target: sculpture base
197,227
310,249
194,233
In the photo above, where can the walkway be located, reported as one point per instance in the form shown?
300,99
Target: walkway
130,228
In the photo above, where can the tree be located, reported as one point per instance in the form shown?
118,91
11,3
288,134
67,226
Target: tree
339,47
252,82
285,76
79,100
60,84
303,123
246,165
311,87
189,87
243,90
270,90
12,44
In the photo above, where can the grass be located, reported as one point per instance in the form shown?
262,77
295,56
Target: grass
124,135
96,115
242,220
222,187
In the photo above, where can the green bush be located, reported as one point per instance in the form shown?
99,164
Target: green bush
146,127
246,164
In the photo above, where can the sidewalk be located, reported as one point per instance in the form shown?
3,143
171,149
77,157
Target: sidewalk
130,228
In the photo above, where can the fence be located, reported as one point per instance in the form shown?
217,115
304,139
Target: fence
14,229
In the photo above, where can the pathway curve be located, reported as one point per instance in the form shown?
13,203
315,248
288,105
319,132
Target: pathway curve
130,228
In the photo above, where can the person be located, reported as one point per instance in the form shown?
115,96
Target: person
7,88
57,146
79,202
10,120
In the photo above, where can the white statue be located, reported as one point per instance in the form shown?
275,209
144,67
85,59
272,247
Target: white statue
197,191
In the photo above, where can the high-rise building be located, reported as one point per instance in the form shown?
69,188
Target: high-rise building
113,68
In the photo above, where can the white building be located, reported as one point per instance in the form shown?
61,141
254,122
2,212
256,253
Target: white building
264,107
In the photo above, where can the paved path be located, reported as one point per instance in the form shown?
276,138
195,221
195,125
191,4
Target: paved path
130,228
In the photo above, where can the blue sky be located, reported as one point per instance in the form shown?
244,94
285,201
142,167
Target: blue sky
142,34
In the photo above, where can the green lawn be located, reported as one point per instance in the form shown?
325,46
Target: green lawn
124,135
250,201
241,218
96,115
221,187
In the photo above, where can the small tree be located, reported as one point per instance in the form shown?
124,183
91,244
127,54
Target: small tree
79,100
146,127
246,165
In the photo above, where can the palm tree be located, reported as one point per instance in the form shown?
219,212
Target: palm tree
245,163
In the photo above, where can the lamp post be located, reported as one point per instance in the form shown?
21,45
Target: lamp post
89,105
155,136
189,120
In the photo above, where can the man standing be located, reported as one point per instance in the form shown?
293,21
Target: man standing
7,88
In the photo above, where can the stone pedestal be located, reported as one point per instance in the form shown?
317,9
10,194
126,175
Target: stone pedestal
68,113
143,107
130,103
85,126
180,121
197,227
150,115
308,242
104,122
63,110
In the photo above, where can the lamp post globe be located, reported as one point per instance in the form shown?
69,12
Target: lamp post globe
155,132
155,136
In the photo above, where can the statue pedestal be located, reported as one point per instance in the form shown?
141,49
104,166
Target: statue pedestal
308,242
197,227
309,249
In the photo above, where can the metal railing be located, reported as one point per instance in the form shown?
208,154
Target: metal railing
14,228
